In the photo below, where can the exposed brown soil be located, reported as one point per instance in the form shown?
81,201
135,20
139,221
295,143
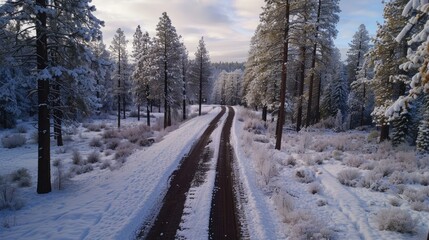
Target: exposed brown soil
224,220
169,216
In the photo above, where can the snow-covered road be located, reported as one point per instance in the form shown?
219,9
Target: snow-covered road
105,204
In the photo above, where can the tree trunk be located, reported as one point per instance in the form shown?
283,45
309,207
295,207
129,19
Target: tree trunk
147,115
200,98
363,107
301,89
123,106
166,106
319,91
138,112
44,149
384,132
313,69
119,88
184,91
281,113
264,113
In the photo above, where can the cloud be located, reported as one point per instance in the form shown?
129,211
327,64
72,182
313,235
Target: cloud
221,22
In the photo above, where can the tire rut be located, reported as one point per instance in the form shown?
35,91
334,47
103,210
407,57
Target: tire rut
168,219
224,218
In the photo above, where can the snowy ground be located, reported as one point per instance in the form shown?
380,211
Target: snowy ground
295,193
103,203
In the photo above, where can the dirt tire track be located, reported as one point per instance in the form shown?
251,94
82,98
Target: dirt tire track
168,219
224,221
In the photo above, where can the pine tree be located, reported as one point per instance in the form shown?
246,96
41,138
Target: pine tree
44,24
386,56
200,71
357,74
417,56
168,55
119,53
356,53
143,72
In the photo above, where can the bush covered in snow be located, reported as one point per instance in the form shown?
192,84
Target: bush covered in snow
95,142
349,177
93,157
13,141
21,129
22,177
353,161
9,196
306,225
314,187
77,158
305,175
124,150
396,220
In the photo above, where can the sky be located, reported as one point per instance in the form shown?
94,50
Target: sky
226,25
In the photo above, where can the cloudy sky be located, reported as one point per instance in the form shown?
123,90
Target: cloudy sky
227,25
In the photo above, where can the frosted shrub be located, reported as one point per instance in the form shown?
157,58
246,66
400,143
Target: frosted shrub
255,126
93,127
112,143
13,141
105,164
123,151
137,134
305,140
394,201
385,167
396,220
59,176
419,206
314,188
320,146
21,177
21,129
398,177
108,134
305,225
372,136
80,169
407,160
353,161
77,158
284,203
375,181
93,157
337,155
95,142
265,164
289,161
9,197
349,177
413,195
305,175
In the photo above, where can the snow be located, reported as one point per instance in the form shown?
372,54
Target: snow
101,204
195,220
105,204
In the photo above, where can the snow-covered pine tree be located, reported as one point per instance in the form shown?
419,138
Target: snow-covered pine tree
15,79
358,47
168,56
45,23
200,72
185,76
335,92
386,55
143,73
417,58
325,20
119,54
